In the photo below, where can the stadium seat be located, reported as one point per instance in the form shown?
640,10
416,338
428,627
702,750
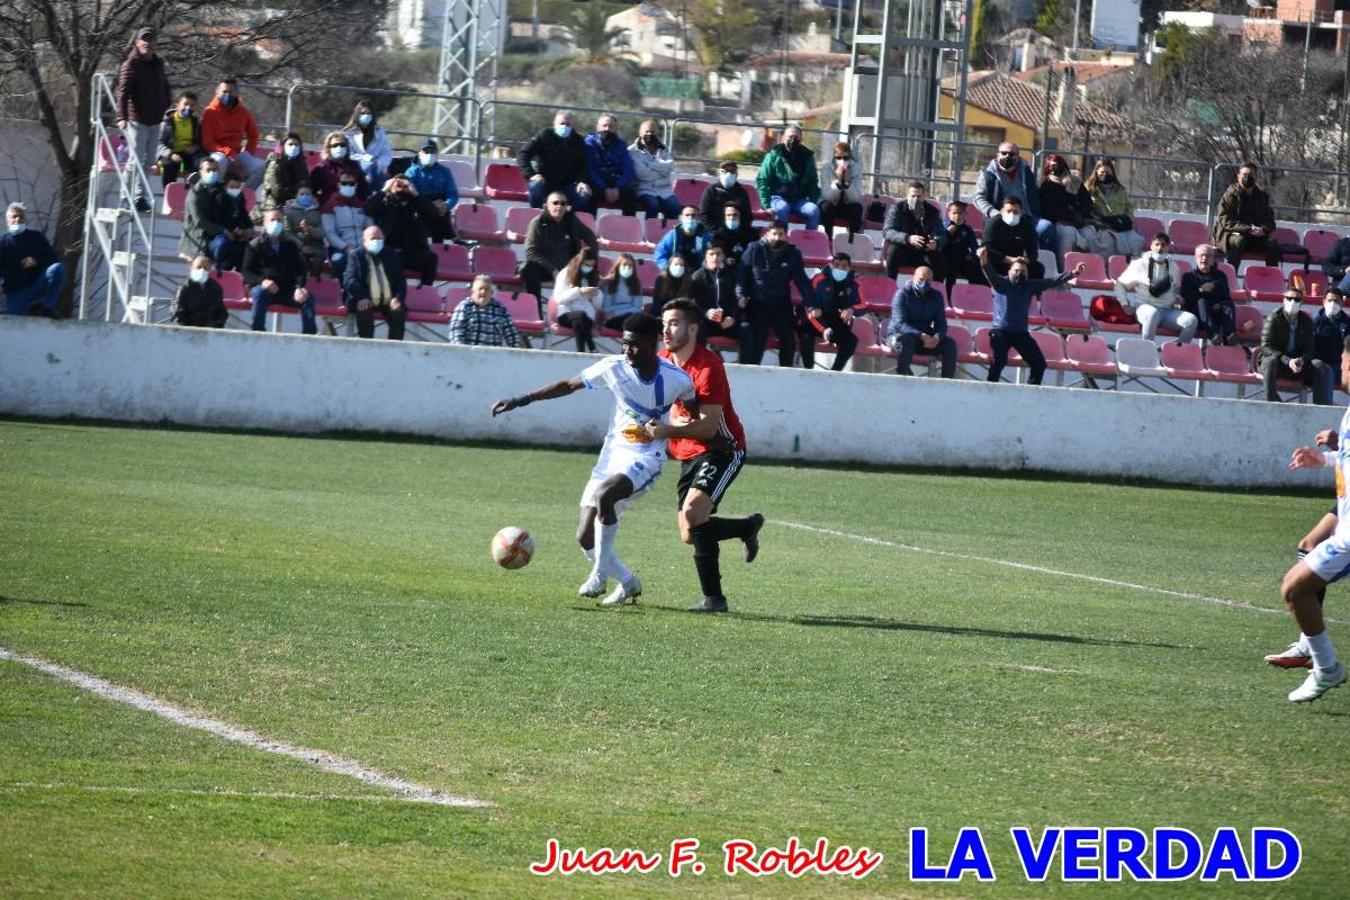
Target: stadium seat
980,350
1186,235
175,198
868,201
1047,258
622,234
518,221
327,295
870,337
1312,283
587,219
862,252
1094,278
1234,284
1137,358
965,343
452,262
757,210
690,191
972,301
647,273
498,263
1287,238
975,218
456,295
1249,324
505,181
466,179
1115,265
1230,365
1063,311
877,292
1185,362
1320,243
814,245
1148,227
426,305
232,289
478,222
1264,283
1052,347
654,229
1089,354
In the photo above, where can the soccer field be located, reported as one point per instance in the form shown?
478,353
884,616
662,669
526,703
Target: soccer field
929,656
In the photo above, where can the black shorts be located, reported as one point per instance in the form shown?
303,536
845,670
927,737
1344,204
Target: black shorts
710,472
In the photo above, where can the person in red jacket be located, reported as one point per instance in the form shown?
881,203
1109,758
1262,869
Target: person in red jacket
228,131
142,97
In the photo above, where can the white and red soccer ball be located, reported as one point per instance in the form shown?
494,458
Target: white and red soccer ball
512,547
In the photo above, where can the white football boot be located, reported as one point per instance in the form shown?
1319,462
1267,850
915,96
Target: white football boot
626,592
1318,683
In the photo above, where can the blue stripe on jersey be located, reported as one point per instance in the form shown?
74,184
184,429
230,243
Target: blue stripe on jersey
660,388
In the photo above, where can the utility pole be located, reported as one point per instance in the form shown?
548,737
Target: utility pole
1077,17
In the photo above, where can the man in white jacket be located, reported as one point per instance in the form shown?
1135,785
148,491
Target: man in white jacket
654,172
1151,285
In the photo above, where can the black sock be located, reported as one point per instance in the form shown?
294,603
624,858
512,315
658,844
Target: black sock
705,561
725,529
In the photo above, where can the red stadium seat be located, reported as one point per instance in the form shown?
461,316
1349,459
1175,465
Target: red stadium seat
1094,277
452,262
1230,364
1312,283
232,289
690,191
1063,311
1319,243
327,295
654,229
1089,354
974,218
505,181
1115,265
1148,227
1234,285
425,304
455,296
478,222
877,292
1264,283
1249,324
518,221
1052,346
869,337
1186,235
466,179
757,210
1186,362
647,273
498,263
1288,238
622,234
972,301
524,310
980,350
815,246
175,198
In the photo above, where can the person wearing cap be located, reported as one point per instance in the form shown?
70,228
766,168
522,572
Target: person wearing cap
556,159
436,183
1331,328
1289,351
142,97
728,189
30,272
787,182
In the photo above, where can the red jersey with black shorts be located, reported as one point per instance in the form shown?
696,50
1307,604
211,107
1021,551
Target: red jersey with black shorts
711,469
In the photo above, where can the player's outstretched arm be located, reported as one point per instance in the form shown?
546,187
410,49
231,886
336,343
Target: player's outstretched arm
547,392
1328,438
1308,458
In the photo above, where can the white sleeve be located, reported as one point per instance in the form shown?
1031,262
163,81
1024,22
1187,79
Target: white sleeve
599,374
1330,459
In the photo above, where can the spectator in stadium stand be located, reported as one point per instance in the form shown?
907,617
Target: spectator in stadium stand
713,288
142,97
912,232
956,249
275,272
768,270
284,172
1246,220
370,147
728,189
555,160
436,183
1205,294
1012,307
200,302
344,220
403,215
215,222
787,182
1151,285
334,162
1069,210
654,173
919,323
675,281
552,241
1008,175
688,238
373,281
576,297
1337,265
733,234
830,310
621,292
1289,351
30,272
304,224
228,128
180,139
481,320
1112,212
841,190
1331,328
1010,236
610,167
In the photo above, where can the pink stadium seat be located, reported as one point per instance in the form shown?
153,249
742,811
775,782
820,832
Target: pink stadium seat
1234,285
499,263
647,273
1287,237
478,222
175,198
1115,265
1229,364
466,179
877,292
860,249
327,295
1319,243
1052,345
622,234
1249,324
974,218
980,350
1094,278
1063,311
1035,318
1312,283
1148,227
972,301
456,295
690,191
452,262
1184,361
869,339
1089,354
518,221
232,289
587,219
505,181
757,210
815,246
965,343
1186,235
1264,283
654,229
425,304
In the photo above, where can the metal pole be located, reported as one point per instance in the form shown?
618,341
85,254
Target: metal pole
1077,17
1307,45
960,100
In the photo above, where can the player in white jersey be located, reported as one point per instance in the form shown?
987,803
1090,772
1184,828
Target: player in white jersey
645,387
1327,563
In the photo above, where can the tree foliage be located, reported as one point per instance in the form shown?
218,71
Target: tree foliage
591,34
727,32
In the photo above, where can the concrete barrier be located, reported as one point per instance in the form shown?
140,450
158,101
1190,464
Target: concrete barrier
301,384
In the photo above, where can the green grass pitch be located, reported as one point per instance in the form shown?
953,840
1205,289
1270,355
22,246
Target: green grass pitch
339,594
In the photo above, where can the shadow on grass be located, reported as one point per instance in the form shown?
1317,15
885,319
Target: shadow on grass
882,624
4,600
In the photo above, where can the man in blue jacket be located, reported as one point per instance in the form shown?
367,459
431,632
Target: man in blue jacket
689,239
611,167
919,322
29,270
1008,175
435,183
768,270
1012,308
830,311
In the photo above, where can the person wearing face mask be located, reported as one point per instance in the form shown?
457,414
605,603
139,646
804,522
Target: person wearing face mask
1112,212
200,302
620,292
228,128
830,310
787,181
688,238
552,241
1012,308
370,148
180,139
1069,207
768,270
576,298
1010,235
344,220
435,183
30,272
1331,328
676,280
335,163
912,232
373,282
274,271
610,167
284,173
556,159
727,189
481,320
1205,294
1289,351
1151,287
841,190
403,215
304,224
142,95
1246,221
1008,175
919,324
733,234
957,245
654,173
713,290
215,222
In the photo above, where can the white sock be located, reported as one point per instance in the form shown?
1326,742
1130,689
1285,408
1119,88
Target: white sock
604,548
1323,654
1302,642
589,554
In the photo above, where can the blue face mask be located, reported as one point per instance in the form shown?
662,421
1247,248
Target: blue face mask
211,178
562,131
337,152
187,113
17,228
347,190
588,267
688,225
838,274
305,201
365,119
375,245
274,229
227,99
292,151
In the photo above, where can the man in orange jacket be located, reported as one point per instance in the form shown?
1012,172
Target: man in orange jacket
230,134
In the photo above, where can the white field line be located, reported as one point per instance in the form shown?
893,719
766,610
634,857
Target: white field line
320,759
17,786
1042,570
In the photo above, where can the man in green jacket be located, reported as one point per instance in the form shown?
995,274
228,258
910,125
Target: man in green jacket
787,182
1246,220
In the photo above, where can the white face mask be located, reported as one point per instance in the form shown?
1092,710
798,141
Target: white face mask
920,284
425,159
234,192
1292,307
274,229
625,271
728,179
677,271
1331,308
199,276
733,224
1158,256
1011,218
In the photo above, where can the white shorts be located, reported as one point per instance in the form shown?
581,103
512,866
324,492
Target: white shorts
642,469
1330,560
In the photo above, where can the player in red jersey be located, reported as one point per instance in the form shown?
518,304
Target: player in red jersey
710,445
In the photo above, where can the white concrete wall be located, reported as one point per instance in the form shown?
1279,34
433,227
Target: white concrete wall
293,383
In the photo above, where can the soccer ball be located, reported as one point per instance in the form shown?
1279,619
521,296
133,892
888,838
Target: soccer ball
512,547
